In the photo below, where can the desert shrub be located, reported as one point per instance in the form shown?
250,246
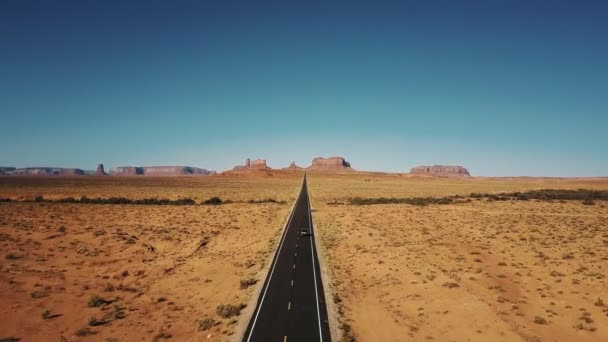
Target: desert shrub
337,298
39,294
206,324
3,199
450,285
227,311
10,339
245,283
116,200
588,202
97,301
163,335
12,256
184,201
540,320
46,313
266,200
39,199
84,332
93,321
68,200
213,201
347,335
118,312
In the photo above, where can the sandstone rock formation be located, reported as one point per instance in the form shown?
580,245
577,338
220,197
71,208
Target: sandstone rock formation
46,171
175,171
332,163
258,164
159,171
441,171
292,166
127,171
100,171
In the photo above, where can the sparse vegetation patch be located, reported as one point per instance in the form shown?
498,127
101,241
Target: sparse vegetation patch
117,200
206,324
266,200
227,311
213,201
421,201
586,196
97,301
549,195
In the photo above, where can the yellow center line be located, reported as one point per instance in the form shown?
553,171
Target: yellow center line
291,282
285,339
289,306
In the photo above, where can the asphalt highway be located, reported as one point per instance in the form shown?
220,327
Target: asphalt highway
291,306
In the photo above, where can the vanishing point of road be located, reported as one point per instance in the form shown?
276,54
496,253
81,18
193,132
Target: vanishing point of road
291,306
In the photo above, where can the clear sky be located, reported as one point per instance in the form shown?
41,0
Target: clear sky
500,87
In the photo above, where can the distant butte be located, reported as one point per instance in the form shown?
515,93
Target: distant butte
330,164
293,166
258,164
100,171
441,171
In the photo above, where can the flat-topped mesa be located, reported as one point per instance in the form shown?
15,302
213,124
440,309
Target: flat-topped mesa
332,163
174,171
46,171
159,171
441,171
100,171
258,164
127,171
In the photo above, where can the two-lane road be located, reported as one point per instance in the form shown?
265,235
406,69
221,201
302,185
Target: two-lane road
291,306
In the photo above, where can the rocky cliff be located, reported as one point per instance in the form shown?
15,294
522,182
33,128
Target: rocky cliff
259,164
332,163
127,171
441,171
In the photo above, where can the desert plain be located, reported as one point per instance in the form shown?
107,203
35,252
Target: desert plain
470,269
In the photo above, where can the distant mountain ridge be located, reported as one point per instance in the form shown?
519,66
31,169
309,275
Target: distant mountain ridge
330,164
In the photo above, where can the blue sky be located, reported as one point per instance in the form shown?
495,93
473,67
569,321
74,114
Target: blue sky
501,87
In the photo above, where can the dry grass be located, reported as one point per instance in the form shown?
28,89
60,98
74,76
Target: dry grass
134,272
479,270
239,187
